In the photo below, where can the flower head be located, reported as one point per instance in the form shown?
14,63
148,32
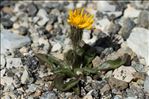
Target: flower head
80,18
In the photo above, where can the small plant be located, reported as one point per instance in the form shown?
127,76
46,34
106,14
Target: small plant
77,62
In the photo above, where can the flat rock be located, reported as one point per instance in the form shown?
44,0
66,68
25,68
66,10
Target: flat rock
11,41
131,12
124,73
139,43
118,84
13,62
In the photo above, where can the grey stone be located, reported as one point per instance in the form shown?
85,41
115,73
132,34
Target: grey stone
52,18
23,30
127,26
6,23
139,43
32,88
113,28
31,9
43,17
143,19
11,41
49,95
3,61
146,84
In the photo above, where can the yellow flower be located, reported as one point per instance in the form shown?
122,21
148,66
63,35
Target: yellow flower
80,18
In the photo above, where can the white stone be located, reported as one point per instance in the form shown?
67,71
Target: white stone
43,17
131,12
105,6
88,95
146,84
102,24
24,77
16,25
12,41
2,72
138,41
7,80
13,62
56,47
3,61
124,73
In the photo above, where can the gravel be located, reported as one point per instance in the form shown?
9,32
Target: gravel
29,27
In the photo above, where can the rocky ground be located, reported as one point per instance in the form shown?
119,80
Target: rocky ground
41,27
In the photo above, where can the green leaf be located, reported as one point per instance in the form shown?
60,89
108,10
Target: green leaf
60,85
88,70
69,85
111,64
66,71
51,60
88,57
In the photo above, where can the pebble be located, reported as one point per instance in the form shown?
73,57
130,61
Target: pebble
31,9
32,88
56,47
3,61
49,27
131,12
102,24
102,6
2,71
6,41
96,61
7,24
46,45
16,25
52,19
23,30
138,41
49,95
127,26
146,85
7,80
113,28
138,67
118,84
105,89
88,95
124,73
13,62
43,17
143,19
25,77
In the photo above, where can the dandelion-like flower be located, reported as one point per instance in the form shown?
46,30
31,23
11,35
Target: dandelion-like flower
80,18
